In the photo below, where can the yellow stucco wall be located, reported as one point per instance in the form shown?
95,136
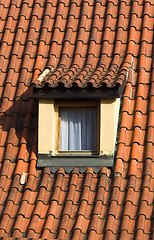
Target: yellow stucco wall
109,115
48,126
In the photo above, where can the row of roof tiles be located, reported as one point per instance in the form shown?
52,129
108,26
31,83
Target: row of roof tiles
90,205
73,45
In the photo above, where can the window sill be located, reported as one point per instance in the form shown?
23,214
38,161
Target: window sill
77,153
71,161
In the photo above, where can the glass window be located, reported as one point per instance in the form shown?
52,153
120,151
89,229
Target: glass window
78,128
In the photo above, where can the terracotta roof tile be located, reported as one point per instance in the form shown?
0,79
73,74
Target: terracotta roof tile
97,42
108,25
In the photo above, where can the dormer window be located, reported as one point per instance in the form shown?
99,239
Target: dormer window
77,125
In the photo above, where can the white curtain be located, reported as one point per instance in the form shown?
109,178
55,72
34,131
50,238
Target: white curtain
78,129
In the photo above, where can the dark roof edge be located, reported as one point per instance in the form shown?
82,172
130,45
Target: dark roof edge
61,92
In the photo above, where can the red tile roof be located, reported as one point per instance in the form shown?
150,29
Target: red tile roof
83,41
90,42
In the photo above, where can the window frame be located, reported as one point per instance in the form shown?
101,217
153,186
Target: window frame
78,104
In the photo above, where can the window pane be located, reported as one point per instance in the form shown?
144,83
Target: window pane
78,129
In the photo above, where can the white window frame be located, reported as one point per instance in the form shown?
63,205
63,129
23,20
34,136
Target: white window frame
79,103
